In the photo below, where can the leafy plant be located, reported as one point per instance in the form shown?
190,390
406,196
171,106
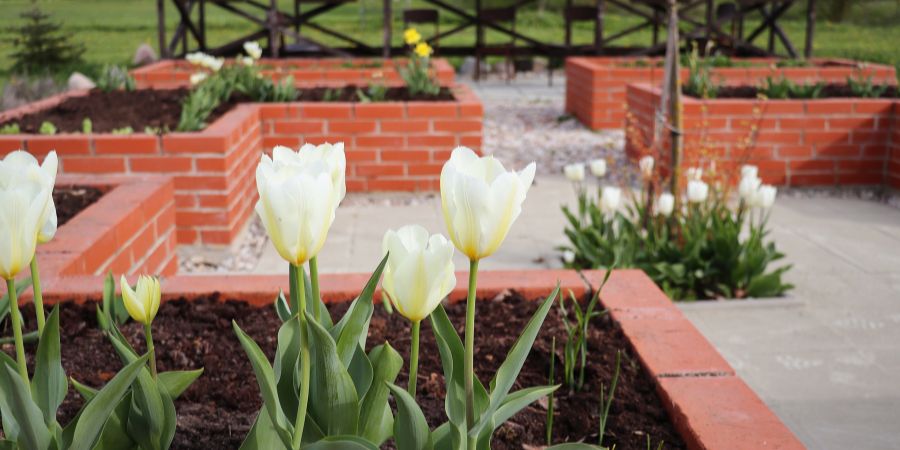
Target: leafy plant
699,82
111,311
114,77
124,131
21,286
575,350
40,45
417,73
784,88
331,95
47,128
87,126
201,102
10,128
373,93
807,91
606,398
865,88
550,380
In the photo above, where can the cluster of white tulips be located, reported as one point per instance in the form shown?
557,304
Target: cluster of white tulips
211,64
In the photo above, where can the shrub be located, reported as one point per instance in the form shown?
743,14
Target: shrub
699,82
41,46
865,88
417,74
114,77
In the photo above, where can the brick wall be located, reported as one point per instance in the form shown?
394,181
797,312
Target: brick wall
893,173
798,143
168,74
595,86
130,230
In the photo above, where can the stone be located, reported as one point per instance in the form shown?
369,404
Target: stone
79,81
468,66
145,54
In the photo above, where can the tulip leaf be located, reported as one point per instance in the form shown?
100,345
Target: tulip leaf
7,445
333,402
50,385
375,420
146,418
452,353
115,431
575,446
313,303
282,308
511,405
169,417
508,372
177,381
265,377
354,328
21,286
263,435
96,413
87,392
410,427
10,426
341,443
286,366
32,432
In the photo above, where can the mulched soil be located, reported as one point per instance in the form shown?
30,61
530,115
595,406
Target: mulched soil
219,408
828,91
71,200
161,108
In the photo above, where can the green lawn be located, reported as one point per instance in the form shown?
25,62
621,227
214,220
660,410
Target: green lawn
112,29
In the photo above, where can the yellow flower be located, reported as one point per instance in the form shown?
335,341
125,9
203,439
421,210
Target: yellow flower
142,303
412,36
423,49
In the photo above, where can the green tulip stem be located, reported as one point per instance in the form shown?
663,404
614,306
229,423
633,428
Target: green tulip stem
17,330
470,350
38,296
299,291
314,279
414,359
151,349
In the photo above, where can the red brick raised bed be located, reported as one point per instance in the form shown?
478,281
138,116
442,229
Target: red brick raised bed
823,142
391,146
169,74
710,405
595,86
131,229
893,175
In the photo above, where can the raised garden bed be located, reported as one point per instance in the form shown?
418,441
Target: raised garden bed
390,146
306,72
595,86
815,142
119,224
706,404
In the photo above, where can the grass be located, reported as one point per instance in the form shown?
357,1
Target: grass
112,29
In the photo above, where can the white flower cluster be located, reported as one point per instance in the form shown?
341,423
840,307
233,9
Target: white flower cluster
751,190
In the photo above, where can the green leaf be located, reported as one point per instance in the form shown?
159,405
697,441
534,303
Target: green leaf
341,443
282,308
410,427
263,435
7,445
10,426
520,399
177,381
49,386
361,372
267,385
169,417
32,432
333,402
86,392
286,367
451,349
508,372
575,446
115,431
375,420
96,413
354,326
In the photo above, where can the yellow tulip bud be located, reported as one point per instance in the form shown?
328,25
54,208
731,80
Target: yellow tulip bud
142,302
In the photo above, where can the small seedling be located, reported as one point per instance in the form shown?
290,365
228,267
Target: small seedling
865,88
606,399
10,128
331,95
575,350
47,128
123,131
111,311
551,380
87,127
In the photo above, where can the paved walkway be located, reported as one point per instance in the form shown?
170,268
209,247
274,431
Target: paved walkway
826,360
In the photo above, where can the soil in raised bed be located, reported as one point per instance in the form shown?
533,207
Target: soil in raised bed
160,109
71,200
828,91
219,408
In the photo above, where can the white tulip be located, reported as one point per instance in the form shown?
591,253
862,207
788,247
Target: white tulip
598,168
646,165
19,166
568,256
749,171
665,204
331,154
142,303
610,199
246,60
481,200
253,49
214,64
298,197
694,173
419,272
697,191
24,215
196,58
574,172
197,78
765,196
748,186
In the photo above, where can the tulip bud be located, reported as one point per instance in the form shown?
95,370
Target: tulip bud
646,165
694,173
697,191
598,168
574,172
142,303
610,199
749,171
197,78
419,272
298,197
27,212
765,196
747,187
481,200
665,204
568,256
253,49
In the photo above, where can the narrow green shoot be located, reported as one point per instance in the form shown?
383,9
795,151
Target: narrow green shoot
606,399
551,380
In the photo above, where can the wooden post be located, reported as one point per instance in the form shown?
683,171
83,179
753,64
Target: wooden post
161,28
672,84
274,41
598,29
388,24
202,25
810,28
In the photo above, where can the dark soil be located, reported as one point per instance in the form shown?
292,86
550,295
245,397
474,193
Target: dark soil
219,408
71,200
160,109
828,91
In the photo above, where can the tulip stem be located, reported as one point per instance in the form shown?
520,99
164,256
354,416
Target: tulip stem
38,296
470,350
298,291
17,331
151,349
314,279
414,359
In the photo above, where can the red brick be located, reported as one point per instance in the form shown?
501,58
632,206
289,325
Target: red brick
379,111
162,164
432,109
93,164
392,185
380,141
405,126
812,180
299,127
11,143
811,165
351,127
325,111
405,155
125,145
63,144
457,126
366,170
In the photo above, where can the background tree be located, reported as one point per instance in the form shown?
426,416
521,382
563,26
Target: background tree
41,46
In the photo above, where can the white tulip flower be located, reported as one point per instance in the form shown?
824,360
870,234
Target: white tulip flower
694,173
19,166
419,272
748,186
646,165
253,49
598,168
197,78
665,204
610,200
27,212
765,196
298,197
568,256
697,191
142,303
196,58
481,200
749,171
574,172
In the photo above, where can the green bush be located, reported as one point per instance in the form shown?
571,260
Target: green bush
114,77
699,82
40,45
